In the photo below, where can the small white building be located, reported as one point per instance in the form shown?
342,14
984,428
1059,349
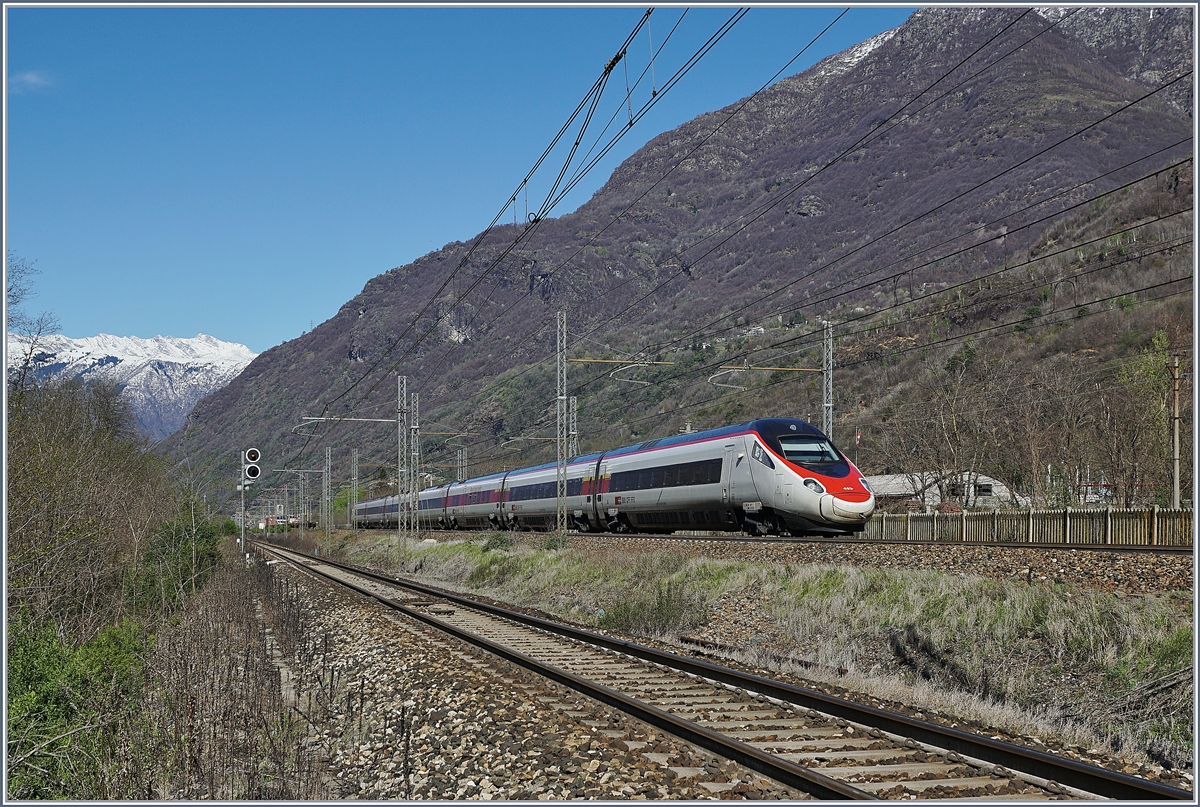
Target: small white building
928,489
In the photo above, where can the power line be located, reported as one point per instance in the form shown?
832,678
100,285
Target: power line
1026,160
512,307
978,278
597,87
527,234
930,211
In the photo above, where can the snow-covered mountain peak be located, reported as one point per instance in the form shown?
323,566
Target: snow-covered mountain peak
199,349
162,378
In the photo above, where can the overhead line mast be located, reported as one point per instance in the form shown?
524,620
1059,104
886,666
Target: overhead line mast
402,487
561,408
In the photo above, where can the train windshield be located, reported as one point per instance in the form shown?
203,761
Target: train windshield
808,449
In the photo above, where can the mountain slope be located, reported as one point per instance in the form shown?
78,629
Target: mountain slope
162,378
961,126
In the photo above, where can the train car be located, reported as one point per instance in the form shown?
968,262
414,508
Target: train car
473,504
377,512
530,498
778,476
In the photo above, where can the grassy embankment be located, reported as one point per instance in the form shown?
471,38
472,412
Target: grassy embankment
1044,659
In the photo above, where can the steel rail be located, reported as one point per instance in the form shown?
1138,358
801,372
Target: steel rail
1072,773
781,770
1149,549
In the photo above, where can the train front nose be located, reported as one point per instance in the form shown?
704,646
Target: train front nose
843,511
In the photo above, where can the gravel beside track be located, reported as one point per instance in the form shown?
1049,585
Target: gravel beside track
482,729
487,730
1123,573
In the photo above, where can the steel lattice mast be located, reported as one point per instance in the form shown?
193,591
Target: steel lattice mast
352,507
561,408
401,452
827,378
414,468
326,502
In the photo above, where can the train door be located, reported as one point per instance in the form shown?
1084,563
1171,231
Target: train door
595,507
729,488
783,491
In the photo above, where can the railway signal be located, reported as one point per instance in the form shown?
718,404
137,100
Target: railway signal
250,472
250,469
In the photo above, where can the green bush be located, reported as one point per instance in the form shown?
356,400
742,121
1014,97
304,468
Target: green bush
500,541
669,609
61,700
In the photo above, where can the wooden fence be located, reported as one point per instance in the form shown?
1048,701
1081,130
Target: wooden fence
1153,527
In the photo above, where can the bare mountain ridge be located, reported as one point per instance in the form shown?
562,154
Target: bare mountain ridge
820,221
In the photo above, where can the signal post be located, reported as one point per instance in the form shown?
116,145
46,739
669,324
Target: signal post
250,472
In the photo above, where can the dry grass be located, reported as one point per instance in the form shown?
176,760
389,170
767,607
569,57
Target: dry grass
1037,659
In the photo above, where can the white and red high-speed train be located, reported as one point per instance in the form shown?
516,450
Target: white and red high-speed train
769,476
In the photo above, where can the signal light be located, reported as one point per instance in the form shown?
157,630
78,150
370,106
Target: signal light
250,469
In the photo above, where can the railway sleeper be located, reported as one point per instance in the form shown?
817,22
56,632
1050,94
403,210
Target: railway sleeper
987,769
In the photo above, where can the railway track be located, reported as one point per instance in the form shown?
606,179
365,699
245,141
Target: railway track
809,741
736,538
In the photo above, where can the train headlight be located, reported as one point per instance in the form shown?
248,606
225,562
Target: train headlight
865,484
814,486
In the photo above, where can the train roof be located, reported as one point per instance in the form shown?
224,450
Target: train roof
766,425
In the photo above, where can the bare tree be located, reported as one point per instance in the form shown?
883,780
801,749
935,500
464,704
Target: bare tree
30,329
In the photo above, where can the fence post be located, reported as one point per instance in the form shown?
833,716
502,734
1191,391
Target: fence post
933,529
1029,525
908,525
1108,525
1154,525
996,525
1066,525
883,527
963,531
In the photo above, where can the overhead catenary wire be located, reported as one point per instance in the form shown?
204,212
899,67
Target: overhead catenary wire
537,219
509,309
588,165
756,213
827,295
977,50
1078,309
967,335
918,217
1066,249
596,87
975,279
1045,200
1081,310
1033,285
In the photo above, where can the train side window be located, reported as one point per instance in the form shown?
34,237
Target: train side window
714,471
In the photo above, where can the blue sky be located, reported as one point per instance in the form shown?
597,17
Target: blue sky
242,172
